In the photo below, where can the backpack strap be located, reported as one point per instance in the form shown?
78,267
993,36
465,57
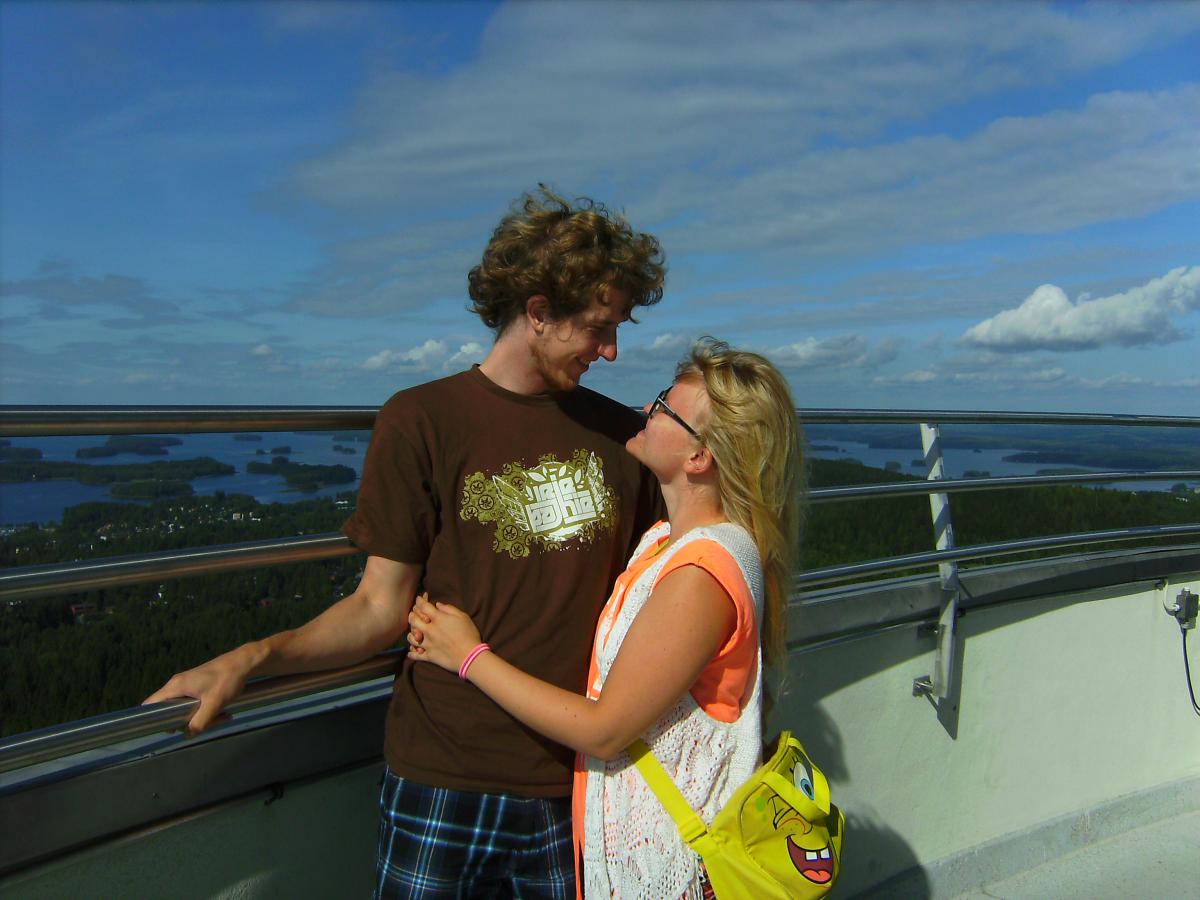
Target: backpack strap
814,811
691,827
810,808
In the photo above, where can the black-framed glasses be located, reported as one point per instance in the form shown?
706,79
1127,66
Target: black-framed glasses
660,402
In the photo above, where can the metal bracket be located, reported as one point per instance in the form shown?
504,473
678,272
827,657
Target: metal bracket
1187,605
276,793
938,684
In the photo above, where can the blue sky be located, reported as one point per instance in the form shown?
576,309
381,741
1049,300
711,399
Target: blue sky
904,205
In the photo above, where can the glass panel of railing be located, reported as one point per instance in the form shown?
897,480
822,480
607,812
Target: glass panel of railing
177,499
294,472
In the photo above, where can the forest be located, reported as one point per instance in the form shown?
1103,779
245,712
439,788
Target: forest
165,470
67,657
304,476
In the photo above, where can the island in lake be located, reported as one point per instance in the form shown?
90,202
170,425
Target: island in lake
137,444
167,470
1108,458
1105,447
18,454
303,476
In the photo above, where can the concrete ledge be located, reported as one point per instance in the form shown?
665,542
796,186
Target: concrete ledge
848,611
1014,854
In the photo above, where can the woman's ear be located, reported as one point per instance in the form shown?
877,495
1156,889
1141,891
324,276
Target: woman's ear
700,461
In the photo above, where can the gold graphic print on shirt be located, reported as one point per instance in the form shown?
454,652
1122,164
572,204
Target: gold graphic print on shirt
548,505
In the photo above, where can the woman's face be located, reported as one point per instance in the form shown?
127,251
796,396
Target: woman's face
665,442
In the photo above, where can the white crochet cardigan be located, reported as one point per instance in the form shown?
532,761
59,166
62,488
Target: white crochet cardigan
632,848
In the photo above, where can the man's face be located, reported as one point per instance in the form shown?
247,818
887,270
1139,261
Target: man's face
566,348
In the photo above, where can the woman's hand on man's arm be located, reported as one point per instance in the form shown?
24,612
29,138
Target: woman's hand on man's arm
680,629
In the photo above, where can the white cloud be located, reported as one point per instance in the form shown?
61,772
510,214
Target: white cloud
921,376
982,372
395,272
932,344
1048,319
262,350
732,117
314,15
672,343
466,355
738,85
421,358
840,352
63,293
1126,380
1119,156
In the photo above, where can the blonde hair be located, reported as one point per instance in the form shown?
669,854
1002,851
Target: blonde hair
753,433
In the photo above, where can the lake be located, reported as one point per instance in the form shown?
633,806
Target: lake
44,501
959,461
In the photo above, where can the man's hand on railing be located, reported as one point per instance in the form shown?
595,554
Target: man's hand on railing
215,684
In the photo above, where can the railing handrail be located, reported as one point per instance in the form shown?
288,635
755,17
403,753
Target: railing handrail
26,582
17,420
831,574
62,740
833,415
56,741
57,421
118,571
989,483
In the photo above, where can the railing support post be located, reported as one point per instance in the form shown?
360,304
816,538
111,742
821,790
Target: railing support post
938,684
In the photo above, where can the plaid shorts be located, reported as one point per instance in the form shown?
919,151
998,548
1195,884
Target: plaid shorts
442,843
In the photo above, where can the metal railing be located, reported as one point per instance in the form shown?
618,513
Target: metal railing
833,574
58,421
25,582
119,571
56,741
28,582
34,421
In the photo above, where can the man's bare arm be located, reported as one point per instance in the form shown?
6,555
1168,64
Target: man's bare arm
358,626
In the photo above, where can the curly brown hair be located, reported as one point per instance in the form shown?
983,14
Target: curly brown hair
568,253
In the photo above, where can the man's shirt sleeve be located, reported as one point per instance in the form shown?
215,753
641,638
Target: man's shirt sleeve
398,511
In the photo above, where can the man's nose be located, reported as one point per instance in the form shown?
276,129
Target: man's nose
609,350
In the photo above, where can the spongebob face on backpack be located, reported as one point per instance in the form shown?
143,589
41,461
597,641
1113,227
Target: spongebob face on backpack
808,847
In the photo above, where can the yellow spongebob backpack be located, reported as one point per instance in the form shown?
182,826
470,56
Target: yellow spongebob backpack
777,837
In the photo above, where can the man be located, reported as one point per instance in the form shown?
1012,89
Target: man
506,490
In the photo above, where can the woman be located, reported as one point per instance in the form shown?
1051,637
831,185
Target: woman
678,649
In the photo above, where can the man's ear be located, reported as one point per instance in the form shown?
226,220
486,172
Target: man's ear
537,312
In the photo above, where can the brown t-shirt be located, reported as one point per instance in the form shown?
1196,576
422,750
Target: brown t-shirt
523,509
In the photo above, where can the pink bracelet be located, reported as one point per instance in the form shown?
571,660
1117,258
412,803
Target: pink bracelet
466,663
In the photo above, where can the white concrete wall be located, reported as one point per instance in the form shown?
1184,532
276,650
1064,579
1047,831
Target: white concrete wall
1065,702
317,840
